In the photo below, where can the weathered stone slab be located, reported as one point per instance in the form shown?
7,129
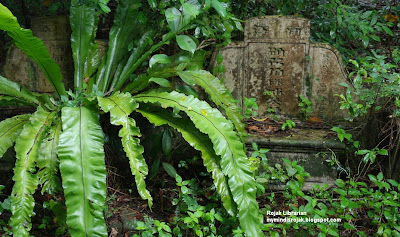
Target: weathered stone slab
276,63
55,34
51,28
326,74
309,152
277,56
233,55
273,69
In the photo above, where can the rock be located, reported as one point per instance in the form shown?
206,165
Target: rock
277,57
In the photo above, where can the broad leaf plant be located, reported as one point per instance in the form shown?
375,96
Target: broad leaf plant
64,135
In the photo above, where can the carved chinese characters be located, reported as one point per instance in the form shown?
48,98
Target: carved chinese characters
272,76
276,63
280,28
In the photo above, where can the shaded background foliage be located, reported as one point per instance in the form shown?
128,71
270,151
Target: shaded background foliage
354,27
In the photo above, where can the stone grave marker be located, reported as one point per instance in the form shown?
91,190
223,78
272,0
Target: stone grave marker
55,33
277,56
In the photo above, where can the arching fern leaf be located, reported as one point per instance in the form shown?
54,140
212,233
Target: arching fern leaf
120,107
219,95
83,171
10,130
200,142
26,148
226,143
48,162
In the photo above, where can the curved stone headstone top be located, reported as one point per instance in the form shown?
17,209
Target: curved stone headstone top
277,56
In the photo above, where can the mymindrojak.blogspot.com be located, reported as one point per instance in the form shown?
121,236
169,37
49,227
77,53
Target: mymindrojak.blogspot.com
300,217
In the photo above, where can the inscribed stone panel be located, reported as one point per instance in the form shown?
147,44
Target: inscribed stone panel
279,69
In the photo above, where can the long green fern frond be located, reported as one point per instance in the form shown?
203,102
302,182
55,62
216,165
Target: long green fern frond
48,162
10,130
120,107
12,89
25,177
83,19
34,48
226,143
83,171
121,34
219,95
200,142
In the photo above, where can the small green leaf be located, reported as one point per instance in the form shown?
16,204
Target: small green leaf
219,8
344,202
186,43
290,170
379,176
199,233
366,14
374,37
218,217
362,152
380,230
340,136
393,182
161,81
333,232
387,30
166,142
176,231
104,7
190,9
152,3
159,58
6,205
383,152
178,179
174,16
386,185
220,58
166,228
264,150
340,183
169,169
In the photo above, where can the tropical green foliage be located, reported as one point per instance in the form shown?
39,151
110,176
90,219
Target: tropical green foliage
65,135
352,206
352,27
